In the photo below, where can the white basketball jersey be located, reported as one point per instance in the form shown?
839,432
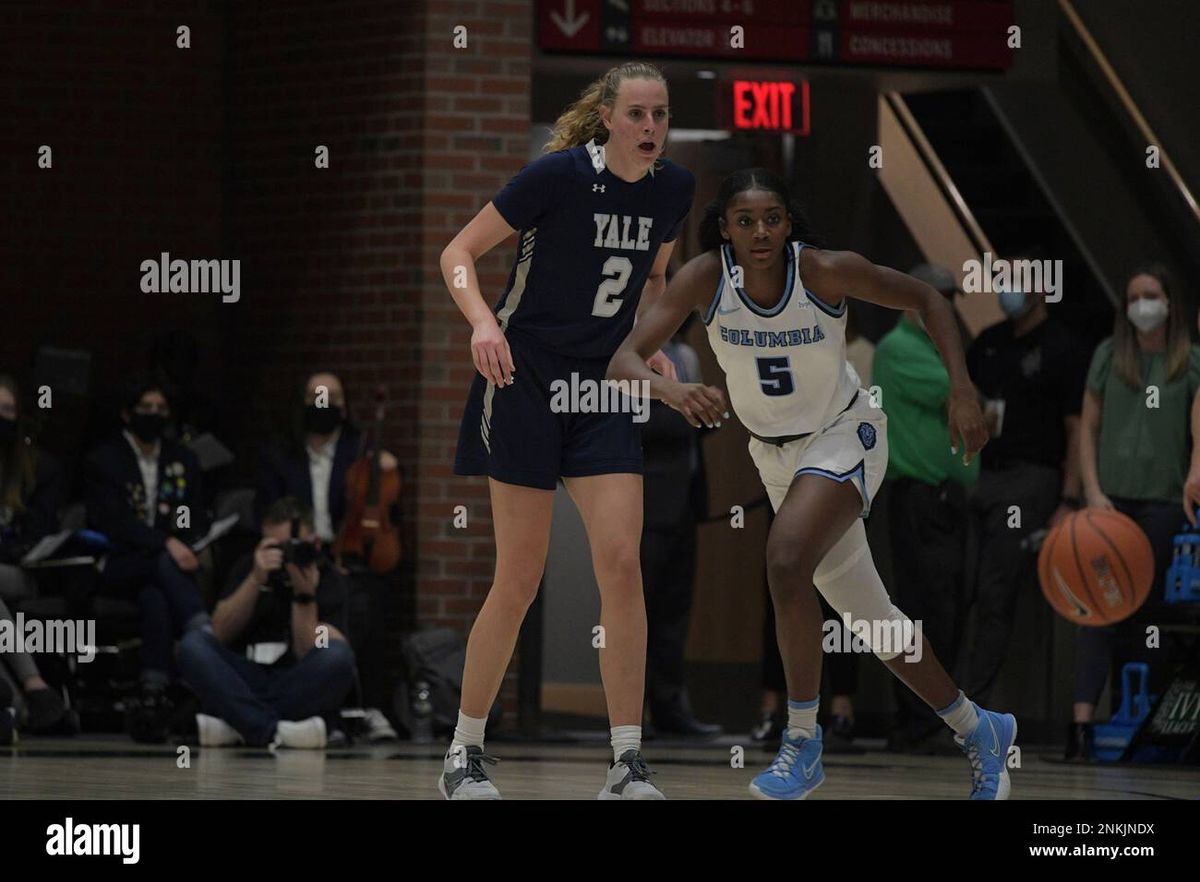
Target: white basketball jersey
785,367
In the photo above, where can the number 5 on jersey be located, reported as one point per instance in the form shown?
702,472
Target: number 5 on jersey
616,272
775,375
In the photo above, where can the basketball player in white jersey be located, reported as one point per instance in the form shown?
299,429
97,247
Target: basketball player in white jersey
776,316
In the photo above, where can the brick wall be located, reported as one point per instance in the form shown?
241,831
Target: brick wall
134,124
346,260
209,153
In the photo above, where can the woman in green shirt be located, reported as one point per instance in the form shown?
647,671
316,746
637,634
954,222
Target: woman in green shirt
1137,455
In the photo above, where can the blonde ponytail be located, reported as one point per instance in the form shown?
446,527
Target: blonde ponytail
581,122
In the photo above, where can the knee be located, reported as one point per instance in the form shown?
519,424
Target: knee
621,564
789,569
335,656
333,666
516,591
196,647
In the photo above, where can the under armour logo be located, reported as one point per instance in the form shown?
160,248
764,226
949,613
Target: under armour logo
597,188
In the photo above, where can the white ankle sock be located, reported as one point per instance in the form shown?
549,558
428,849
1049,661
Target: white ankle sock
468,732
802,718
625,738
960,715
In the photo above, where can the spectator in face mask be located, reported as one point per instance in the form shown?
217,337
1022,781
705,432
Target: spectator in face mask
1030,370
1141,456
311,465
312,462
143,492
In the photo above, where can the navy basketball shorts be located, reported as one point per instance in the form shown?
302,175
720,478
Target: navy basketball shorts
536,430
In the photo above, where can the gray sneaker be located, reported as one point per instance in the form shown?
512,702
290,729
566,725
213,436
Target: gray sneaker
463,776
629,778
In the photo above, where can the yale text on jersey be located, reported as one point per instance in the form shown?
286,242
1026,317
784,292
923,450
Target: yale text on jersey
614,231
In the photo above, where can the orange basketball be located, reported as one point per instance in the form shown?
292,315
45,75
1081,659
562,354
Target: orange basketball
1096,567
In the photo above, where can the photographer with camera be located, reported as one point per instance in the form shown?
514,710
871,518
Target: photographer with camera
278,662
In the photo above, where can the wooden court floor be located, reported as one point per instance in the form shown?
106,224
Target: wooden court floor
112,767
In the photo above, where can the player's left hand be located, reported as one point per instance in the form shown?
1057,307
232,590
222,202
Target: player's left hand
659,362
968,429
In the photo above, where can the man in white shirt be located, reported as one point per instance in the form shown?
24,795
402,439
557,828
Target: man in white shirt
313,468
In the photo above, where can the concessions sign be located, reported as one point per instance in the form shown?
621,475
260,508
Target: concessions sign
959,34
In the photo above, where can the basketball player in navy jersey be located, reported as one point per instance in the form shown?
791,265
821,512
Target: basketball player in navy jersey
776,315
598,217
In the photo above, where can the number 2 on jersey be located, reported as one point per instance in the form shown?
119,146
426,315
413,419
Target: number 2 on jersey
608,295
775,375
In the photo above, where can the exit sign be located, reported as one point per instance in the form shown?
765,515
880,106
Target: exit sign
764,106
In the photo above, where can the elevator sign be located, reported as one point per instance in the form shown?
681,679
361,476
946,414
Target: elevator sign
954,34
765,106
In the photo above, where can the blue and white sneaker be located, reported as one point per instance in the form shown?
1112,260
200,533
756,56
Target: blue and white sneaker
796,771
987,749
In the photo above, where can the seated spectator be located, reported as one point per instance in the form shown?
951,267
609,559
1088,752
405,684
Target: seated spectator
143,492
311,463
276,665
32,490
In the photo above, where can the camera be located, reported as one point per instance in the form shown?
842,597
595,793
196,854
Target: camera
298,552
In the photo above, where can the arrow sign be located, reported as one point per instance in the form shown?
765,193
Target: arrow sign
571,25
568,23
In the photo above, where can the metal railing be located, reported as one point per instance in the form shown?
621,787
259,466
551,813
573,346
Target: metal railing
1130,106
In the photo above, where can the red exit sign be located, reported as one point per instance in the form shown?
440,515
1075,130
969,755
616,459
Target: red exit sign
766,106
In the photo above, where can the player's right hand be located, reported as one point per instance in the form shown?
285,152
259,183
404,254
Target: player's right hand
699,404
490,352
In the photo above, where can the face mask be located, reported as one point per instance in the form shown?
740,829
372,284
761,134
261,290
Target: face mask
322,420
147,426
8,429
1015,304
1146,314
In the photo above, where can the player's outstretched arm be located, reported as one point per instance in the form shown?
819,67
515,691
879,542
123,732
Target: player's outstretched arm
698,403
832,275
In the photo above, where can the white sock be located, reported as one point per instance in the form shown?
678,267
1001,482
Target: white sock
802,718
468,732
960,715
625,738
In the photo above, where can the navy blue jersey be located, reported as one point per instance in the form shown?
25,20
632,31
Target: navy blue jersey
587,242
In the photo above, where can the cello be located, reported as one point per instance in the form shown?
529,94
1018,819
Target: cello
367,532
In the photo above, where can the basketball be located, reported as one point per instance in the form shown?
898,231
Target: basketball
1096,567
